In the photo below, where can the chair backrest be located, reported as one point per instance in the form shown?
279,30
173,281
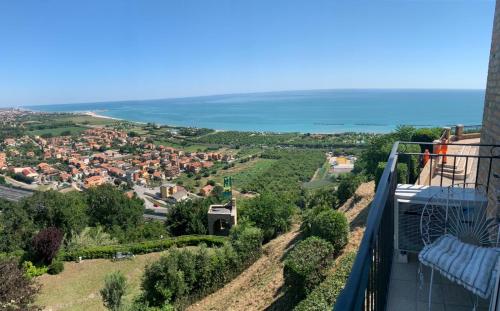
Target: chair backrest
461,211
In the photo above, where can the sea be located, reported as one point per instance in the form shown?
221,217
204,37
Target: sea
316,111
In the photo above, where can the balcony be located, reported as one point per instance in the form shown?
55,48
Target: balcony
384,275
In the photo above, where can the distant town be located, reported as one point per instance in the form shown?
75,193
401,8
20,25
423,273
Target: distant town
99,154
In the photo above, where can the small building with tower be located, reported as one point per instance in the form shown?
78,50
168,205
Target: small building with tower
222,217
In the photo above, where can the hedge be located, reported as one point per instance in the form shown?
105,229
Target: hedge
401,168
182,276
347,187
324,296
306,264
108,251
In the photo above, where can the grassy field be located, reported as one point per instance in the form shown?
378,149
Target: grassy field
75,130
84,119
68,291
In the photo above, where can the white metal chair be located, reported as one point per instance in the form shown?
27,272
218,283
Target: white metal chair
461,239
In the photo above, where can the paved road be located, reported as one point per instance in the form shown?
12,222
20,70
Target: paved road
19,184
13,194
156,217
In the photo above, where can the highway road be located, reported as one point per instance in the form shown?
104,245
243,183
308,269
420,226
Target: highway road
13,194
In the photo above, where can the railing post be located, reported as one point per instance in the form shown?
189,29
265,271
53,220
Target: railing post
459,131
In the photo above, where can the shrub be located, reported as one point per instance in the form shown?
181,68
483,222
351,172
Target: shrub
115,285
411,161
271,213
90,237
140,305
332,226
108,251
148,230
22,178
184,275
163,281
17,291
401,170
322,197
32,271
46,244
347,187
305,265
323,297
247,242
56,267
308,216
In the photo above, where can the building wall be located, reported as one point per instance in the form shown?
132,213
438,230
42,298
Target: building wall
490,133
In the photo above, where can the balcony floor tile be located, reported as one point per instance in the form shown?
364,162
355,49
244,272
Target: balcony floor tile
406,292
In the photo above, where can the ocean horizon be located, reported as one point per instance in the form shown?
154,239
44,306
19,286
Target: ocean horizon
309,111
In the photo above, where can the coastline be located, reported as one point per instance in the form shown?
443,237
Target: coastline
325,112
95,115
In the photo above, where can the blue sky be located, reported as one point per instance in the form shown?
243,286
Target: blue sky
100,50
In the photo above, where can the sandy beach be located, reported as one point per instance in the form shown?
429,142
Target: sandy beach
95,115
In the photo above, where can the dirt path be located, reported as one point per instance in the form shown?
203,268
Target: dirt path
259,285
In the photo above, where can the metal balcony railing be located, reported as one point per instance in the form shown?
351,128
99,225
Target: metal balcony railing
368,283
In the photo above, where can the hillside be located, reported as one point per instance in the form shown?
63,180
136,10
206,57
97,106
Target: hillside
263,279
259,287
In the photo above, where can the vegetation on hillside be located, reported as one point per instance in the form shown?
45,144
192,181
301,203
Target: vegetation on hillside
182,276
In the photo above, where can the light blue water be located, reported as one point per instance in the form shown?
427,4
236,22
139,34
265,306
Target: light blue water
324,111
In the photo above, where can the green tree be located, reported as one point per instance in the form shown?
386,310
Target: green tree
16,227
218,192
347,187
115,286
323,197
426,135
67,211
271,213
90,237
163,280
109,207
247,242
188,217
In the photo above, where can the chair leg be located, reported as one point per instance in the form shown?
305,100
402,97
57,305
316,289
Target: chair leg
430,288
